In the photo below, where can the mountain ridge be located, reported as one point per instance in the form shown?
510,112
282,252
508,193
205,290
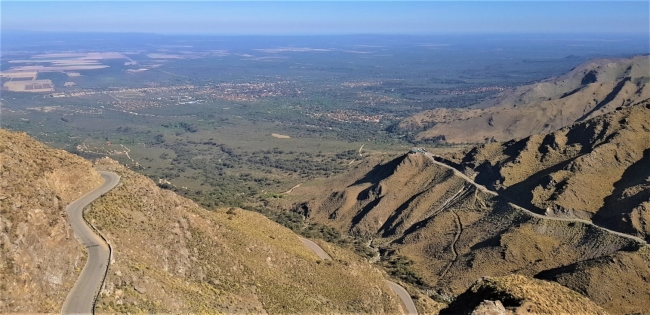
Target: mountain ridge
453,233
592,170
594,88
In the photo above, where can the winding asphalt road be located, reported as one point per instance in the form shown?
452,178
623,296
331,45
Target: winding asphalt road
405,296
537,215
317,249
398,289
81,298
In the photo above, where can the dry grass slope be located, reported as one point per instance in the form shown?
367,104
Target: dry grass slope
453,234
592,89
595,170
612,281
172,256
39,257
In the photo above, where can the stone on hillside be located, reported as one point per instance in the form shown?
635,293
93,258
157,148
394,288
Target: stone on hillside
490,308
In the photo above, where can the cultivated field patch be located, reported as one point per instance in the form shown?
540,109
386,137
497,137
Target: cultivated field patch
29,86
19,74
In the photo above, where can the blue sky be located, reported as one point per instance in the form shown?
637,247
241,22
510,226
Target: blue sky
342,17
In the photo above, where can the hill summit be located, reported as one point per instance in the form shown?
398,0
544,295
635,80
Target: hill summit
591,89
441,232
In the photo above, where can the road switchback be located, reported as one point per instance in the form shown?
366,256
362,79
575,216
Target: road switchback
81,298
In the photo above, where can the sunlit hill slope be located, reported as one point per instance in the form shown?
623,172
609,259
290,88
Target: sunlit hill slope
169,255
591,89
453,233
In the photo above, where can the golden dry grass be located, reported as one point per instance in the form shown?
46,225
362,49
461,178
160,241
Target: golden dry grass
542,107
186,259
592,170
40,259
454,234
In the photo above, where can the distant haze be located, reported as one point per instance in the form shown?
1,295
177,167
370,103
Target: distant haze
309,18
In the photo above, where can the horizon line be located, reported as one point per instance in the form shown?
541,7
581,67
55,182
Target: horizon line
2,30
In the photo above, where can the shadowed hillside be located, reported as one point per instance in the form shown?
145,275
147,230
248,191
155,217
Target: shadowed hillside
520,295
592,89
612,281
595,170
451,233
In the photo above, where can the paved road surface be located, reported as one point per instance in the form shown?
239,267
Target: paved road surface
537,215
313,246
405,296
82,296
399,290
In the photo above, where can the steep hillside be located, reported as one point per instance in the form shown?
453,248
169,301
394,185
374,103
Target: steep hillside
612,281
39,257
595,170
440,232
592,89
452,232
172,256
169,255
522,295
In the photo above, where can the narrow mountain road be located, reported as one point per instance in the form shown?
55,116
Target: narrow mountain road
316,249
398,289
82,297
537,215
405,296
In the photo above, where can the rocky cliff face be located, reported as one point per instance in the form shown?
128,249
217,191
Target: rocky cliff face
39,257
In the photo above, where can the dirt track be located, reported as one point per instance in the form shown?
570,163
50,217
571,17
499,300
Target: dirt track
484,189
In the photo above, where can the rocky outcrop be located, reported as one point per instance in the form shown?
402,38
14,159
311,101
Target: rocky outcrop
520,295
40,259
